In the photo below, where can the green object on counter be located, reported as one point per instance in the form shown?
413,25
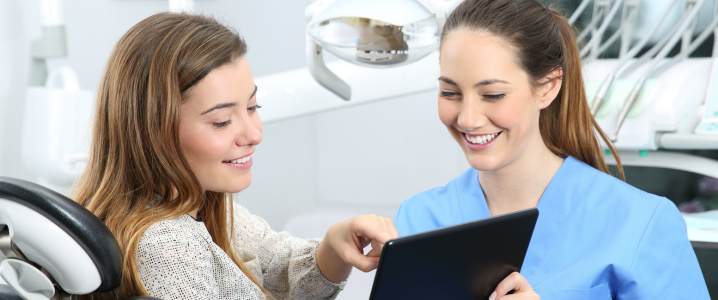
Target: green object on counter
643,153
607,152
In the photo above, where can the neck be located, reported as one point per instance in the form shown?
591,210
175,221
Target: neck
519,184
193,214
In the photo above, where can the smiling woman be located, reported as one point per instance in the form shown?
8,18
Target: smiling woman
512,96
176,124
220,109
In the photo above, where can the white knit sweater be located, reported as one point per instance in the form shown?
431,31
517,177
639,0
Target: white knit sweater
178,260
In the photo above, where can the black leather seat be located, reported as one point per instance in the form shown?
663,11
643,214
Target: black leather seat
79,223
6,293
87,230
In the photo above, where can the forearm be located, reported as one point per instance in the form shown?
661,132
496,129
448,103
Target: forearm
329,262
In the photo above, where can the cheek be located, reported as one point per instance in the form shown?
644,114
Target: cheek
202,149
448,111
511,114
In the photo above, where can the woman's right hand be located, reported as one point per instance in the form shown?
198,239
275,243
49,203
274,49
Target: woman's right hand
343,246
516,282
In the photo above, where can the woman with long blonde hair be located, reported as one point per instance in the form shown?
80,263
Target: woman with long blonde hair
175,127
512,96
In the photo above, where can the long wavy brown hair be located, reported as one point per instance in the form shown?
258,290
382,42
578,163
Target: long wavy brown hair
544,41
137,174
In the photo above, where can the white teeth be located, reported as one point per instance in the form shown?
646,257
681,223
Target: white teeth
241,160
483,139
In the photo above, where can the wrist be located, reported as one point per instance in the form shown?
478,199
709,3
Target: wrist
329,262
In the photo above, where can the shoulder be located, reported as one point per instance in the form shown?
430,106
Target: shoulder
433,208
601,189
172,236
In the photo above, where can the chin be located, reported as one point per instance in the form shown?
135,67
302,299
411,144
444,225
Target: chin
482,162
233,186
240,185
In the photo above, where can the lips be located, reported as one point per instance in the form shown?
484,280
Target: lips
239,160
242,163
481,138
478,142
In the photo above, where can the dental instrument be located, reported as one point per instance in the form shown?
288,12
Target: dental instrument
597,36
625,30
708,124
600,7
579,10
606,85
696,6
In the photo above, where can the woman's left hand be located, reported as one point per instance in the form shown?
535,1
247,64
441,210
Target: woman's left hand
516,282
343,246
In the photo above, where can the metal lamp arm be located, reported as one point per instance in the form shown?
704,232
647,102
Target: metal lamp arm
322,74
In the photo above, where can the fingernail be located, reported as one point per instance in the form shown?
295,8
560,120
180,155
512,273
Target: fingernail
493,296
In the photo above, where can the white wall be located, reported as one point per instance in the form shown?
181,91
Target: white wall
362,159
359,160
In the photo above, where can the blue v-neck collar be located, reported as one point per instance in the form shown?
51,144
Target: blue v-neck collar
554,205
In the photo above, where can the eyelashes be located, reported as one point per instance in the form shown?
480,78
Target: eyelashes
493,97
448,94
222,124
254,108
225,123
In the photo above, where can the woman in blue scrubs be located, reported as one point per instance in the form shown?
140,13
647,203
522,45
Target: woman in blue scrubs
512,96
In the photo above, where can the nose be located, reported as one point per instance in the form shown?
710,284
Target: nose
250,132
472,115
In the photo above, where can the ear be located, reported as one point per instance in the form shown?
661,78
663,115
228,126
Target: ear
549,87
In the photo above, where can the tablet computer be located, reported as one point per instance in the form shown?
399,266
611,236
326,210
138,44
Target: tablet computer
464,261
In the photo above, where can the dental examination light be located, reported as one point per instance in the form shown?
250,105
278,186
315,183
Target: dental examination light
579,10
371,33
606,85
684,25
597,35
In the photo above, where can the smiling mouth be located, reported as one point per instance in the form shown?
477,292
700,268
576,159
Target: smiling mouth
481,138
239,160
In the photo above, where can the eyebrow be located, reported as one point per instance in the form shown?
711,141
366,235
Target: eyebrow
479,84
227,104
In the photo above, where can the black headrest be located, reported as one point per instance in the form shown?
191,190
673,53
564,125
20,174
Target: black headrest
89,232
6,293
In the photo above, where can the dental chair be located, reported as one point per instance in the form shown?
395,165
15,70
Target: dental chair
51,247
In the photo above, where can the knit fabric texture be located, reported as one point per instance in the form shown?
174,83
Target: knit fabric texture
179,260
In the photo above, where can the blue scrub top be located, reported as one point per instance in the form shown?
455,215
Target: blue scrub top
596,236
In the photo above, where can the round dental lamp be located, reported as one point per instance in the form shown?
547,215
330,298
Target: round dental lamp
371,33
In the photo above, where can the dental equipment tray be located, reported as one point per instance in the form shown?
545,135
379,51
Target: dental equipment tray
464,261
